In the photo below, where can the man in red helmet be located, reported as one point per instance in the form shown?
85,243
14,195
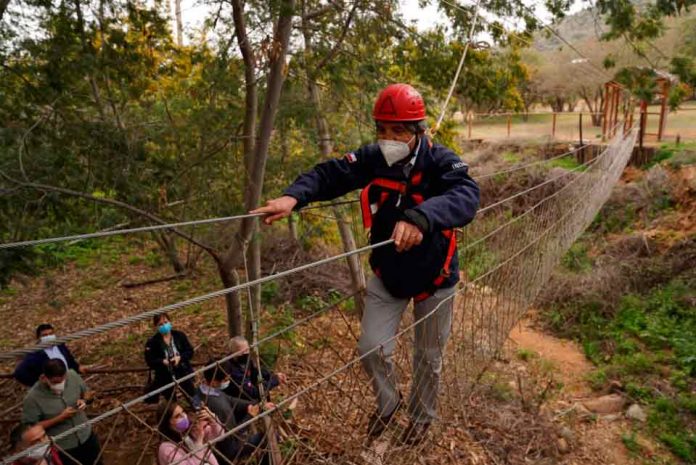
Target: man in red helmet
416,193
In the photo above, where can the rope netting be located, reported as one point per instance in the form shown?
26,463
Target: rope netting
320,412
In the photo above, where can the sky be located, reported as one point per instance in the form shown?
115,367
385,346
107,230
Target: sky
193,13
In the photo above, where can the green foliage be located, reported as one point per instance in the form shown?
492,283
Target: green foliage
568,163
648,336
630,442
526,354
477,260
577,258
511,157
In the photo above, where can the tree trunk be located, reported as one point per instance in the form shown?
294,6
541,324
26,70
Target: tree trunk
256,164
179,23
230,277
254,269
168,245
557,104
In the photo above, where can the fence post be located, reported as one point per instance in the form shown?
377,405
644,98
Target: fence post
509,122
469,118
553,125
642,128
580,127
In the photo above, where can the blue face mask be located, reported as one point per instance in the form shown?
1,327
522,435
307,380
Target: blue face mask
165,328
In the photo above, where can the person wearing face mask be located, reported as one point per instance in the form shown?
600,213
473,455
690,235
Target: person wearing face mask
182,434
34,437
230,411
56,403
28,370
168,354
415,192
244,374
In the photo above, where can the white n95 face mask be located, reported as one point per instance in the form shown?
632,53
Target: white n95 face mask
48,338
393,150
38,452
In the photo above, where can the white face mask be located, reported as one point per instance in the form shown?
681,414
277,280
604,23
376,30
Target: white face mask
48,338
224,385
394,151
38,452
57,388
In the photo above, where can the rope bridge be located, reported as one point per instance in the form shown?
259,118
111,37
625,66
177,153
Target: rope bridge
320,415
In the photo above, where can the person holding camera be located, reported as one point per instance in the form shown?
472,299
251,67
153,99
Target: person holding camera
184,435
168,354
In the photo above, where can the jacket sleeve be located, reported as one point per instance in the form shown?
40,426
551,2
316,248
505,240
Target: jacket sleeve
72,362
270,380
240,406
457,195
334,178
185,347
153,356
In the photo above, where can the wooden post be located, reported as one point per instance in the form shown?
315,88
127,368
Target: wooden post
616,110
469,118
275,454
292,226
663,110
580,127
553,125
605,112
357,274
641,135
509,122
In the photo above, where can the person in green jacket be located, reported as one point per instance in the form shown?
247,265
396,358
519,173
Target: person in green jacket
57,403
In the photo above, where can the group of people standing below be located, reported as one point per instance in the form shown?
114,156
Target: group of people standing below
188,416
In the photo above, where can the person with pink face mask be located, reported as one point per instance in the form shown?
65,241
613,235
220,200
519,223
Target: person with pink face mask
182,435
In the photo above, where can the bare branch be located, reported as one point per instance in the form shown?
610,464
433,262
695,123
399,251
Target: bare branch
339,42
112,202
321,11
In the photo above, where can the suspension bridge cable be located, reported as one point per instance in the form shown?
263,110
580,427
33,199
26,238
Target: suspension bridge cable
155,227
11,355
601,71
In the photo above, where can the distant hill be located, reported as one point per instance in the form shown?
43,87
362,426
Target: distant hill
575,28
588,25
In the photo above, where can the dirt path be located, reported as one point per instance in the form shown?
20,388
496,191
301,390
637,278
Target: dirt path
591,442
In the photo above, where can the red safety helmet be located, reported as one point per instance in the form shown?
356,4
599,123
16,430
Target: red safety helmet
399,102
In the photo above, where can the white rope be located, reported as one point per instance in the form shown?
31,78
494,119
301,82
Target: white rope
459,69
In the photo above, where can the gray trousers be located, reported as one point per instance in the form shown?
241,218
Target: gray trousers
380,322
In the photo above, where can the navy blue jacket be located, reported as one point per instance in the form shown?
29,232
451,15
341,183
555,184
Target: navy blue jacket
244,379
451,199
29,369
